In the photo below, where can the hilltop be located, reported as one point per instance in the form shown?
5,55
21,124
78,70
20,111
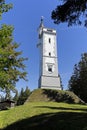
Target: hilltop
54,95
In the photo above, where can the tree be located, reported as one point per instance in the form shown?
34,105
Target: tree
23,96
20,100
15,98
2,98
4,7
8,95
78,81
11,63
12,67
70,11
27,93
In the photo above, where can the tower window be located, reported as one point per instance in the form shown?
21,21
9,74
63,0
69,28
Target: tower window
49,40
49,30
49,53
50,68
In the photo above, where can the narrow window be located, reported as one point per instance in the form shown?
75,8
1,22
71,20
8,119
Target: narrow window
49,40
49,53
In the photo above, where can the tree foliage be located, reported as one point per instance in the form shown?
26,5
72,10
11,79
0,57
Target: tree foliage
70,11
4,7
24,94
12,67
15,98
8,95
78,81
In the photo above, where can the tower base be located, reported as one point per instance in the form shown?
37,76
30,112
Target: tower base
48,82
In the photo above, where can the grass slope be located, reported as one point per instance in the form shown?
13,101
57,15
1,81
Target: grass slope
54,95
45,115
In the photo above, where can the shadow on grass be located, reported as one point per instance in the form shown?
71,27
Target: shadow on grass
52,121
62,96
63,108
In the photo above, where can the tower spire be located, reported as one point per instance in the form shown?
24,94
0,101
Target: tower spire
41,22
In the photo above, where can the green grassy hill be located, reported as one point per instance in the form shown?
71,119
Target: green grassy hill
45,115
46,110
54,95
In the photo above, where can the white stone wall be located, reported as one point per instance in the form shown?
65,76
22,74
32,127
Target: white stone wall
48,59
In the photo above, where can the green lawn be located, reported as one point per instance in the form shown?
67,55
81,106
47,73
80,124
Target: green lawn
45,116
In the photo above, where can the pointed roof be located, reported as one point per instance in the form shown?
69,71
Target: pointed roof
41,23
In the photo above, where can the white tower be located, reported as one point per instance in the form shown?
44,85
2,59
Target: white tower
47,44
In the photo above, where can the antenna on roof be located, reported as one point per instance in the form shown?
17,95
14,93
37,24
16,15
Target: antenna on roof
42,19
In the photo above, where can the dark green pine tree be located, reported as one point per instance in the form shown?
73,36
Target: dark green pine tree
12,66
24,94
15,98
78,81
70,11
21,98
27,93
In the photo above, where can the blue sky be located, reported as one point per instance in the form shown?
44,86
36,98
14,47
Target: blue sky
25,17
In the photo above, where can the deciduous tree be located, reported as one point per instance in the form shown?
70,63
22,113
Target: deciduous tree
4,7
12,66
